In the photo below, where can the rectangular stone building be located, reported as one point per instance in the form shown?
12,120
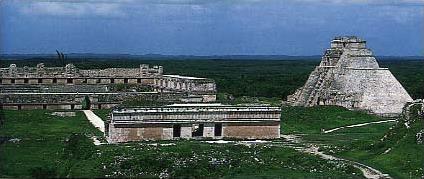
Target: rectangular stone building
43,87
193,121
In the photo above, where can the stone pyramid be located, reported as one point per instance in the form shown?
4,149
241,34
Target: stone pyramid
350,76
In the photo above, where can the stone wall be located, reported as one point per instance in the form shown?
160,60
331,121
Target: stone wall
69,75
194,121
130,134
105,100
75,80
251,131
71,71
51,84
185,84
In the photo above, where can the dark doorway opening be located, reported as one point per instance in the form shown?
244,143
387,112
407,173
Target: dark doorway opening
26,80
139,80
40,80
69,80
54,80
176,130
12,81
197,130
218,129
44,106
125,80
112,80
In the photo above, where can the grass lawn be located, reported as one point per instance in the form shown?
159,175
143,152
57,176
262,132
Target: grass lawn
42,140
349,137
398,154
196,159
313,119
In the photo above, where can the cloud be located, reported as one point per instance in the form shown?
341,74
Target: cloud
368,2
401,14
73,8
121,8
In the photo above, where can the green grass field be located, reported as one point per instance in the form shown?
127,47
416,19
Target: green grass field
42,140
314,119
398,154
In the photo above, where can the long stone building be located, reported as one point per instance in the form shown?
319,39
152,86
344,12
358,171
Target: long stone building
350,76
193,121
43,87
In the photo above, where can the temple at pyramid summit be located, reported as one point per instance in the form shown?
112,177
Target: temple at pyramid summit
350,76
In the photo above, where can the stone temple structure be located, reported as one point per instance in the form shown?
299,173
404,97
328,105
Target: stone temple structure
350,76
193,121
66,87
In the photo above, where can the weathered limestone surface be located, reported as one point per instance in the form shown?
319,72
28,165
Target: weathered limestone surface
194,121
71,71
350,76
43,87
252,132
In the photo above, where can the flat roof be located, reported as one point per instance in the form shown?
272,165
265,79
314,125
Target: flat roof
75,93
184,77
195,104
195,108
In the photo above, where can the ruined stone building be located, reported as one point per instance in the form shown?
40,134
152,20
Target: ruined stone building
43,87
350,76
188,121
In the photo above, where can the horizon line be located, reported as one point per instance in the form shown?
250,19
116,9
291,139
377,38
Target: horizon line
153,54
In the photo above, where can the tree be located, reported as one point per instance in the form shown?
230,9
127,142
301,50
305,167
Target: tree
86,104
61,58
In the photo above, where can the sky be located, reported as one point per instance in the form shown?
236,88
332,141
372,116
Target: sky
208,27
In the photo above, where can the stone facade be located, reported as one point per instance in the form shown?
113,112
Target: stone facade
184,83
70,75
193,121
350,76
63,87
71,71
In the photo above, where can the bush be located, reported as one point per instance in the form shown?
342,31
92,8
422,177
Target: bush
78,147
43,172
86,103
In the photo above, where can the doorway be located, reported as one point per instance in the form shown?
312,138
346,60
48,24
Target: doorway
218,130
197,130
176,130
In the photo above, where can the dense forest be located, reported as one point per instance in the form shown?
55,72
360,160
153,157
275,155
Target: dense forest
259,78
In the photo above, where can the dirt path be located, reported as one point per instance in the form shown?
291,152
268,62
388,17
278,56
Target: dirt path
357,125
295,142
95,120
